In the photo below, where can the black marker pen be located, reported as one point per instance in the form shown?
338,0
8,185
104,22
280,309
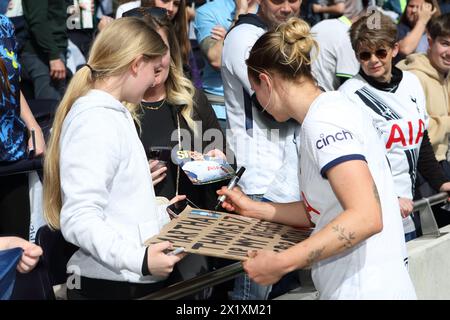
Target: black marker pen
231,185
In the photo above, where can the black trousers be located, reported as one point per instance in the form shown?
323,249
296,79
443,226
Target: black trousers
14,206
442,216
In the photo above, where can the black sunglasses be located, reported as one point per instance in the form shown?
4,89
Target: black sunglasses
140,12
366,55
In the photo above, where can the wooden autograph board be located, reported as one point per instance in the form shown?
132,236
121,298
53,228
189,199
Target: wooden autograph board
224,235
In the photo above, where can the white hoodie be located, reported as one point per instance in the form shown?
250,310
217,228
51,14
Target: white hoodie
108,202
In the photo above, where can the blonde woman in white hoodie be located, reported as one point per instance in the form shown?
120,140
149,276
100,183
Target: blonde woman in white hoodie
98,189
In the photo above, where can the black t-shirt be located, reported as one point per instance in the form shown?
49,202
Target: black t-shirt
157,126
158,122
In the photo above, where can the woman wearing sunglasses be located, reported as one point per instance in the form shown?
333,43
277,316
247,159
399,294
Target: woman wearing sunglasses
396,102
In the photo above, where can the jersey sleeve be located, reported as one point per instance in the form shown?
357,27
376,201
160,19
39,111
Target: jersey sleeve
346,63
333,137
237,47
203,24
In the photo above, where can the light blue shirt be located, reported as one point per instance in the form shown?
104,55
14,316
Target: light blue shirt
206,18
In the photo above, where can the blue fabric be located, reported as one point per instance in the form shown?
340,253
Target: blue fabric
410,236
206,18
445,6
340,160
219,110
8,263
4,6
12,128
403,30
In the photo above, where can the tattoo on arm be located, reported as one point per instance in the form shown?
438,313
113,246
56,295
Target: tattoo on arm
207,44
314,256
377,196
343,237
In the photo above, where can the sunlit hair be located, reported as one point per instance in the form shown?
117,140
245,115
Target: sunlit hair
180,23
439,26
372,33
284,50
112,53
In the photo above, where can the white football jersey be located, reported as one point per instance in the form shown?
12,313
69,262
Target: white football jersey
257,140
401,117
335,57
335,131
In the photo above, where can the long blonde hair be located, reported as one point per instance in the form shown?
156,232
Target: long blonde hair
179,89
111,54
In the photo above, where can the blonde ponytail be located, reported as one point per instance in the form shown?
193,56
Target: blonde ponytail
80,84
112,53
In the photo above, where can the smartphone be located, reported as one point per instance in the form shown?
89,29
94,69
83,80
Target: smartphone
159,153
176,208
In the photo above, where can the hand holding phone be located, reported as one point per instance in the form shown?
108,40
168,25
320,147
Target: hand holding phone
176,208
157,171
159,153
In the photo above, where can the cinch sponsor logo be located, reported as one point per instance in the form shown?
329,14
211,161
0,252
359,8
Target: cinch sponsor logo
324,141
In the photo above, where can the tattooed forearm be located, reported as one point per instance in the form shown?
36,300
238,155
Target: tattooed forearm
377,196
314,256
343,237
207,44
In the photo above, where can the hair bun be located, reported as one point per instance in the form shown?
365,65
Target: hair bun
294,30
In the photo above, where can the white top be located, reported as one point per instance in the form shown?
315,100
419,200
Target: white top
108,201
127,6
336,56
284,186
335,131
257,141
401,117
15,9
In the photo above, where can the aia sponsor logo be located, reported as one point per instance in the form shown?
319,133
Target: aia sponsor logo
405,137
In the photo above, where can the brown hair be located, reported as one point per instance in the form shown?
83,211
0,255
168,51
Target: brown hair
373,34
4,84
439,26
284,50
434,4
180,26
